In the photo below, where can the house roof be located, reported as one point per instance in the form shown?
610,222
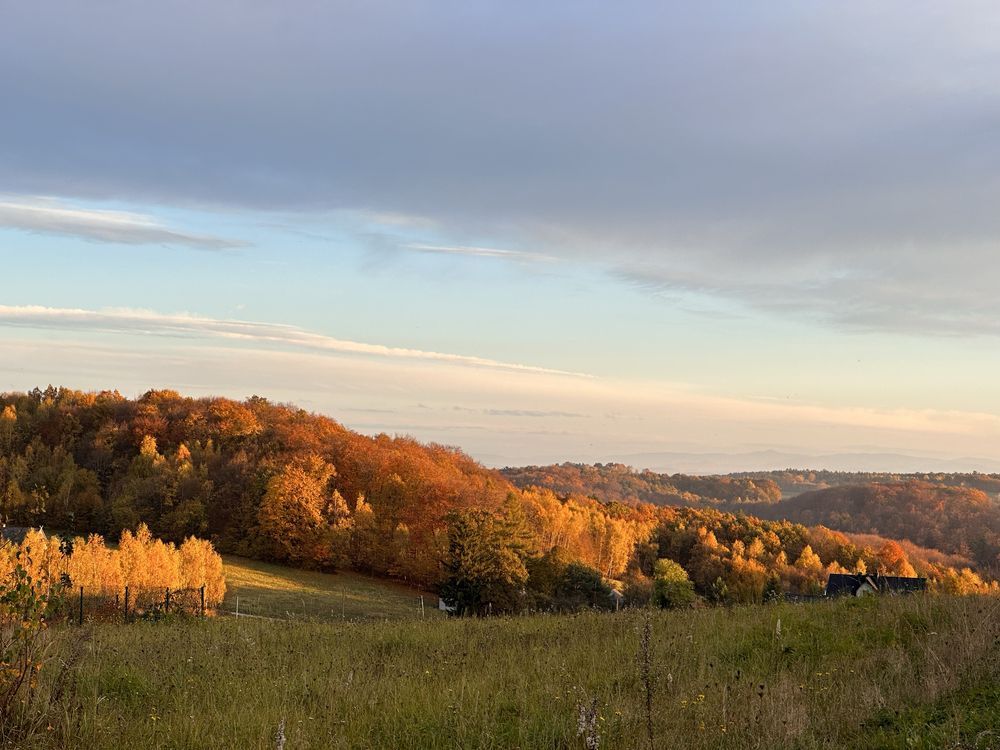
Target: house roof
842,583
902,583
845,583
13,534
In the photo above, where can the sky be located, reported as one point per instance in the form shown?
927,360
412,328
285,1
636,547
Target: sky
691,236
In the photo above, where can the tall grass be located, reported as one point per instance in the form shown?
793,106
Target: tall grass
836,674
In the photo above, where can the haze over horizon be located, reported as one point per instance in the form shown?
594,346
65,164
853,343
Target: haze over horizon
710,236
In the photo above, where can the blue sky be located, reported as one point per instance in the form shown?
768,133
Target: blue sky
539,233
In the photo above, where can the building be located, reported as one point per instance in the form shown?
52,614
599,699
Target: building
13,534
863,584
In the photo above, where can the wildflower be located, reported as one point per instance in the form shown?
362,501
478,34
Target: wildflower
586,726
279,738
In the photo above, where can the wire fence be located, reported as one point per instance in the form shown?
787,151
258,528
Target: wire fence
132,604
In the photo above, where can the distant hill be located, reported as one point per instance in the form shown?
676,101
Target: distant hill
764,461
794,481
956,520
618,483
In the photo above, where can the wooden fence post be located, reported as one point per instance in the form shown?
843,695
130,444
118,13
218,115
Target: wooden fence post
81,605
166,602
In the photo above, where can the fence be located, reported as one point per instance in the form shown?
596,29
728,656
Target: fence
134,604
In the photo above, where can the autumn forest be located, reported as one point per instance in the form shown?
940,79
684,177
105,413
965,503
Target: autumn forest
277,483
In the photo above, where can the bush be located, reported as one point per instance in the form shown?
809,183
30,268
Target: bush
557,583
26,605
671,586
638,590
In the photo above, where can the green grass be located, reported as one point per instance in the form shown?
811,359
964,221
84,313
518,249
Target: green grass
275,591
904,672
966,718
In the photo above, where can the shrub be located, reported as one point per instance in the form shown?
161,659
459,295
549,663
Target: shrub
671,586
26,605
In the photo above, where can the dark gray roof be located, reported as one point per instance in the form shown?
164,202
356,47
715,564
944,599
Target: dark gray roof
844,583
901,583
14,534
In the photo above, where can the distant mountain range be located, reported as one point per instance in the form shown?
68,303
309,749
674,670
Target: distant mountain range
769,460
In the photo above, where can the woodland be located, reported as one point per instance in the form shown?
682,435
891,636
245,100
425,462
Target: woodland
276,483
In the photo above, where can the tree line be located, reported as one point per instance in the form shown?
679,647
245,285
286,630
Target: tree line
618,483
275,482
795,481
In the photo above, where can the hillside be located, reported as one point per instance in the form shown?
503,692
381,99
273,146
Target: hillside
260,589
955,520
617,483
277,484
260,479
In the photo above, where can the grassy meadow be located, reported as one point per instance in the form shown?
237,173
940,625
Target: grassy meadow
911,672
276,591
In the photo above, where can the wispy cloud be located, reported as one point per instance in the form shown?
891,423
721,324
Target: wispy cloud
149,322
479,252
536,413
53,216
656,416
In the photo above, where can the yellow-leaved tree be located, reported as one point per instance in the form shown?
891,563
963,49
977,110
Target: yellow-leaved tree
201,565
147,566
95,567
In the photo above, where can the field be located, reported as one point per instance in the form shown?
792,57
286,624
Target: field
275,591
912,672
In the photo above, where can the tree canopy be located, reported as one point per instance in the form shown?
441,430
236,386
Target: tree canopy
275,482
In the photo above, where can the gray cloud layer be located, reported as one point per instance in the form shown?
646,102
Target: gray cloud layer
50,216
834,160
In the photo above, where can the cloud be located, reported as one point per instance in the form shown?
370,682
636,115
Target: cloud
838,162
662,417
52,216
478,252
148,322
534,413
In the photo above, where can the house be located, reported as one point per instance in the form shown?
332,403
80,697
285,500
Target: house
863,584
13,534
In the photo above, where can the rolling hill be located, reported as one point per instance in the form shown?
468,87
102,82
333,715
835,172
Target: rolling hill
956,520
